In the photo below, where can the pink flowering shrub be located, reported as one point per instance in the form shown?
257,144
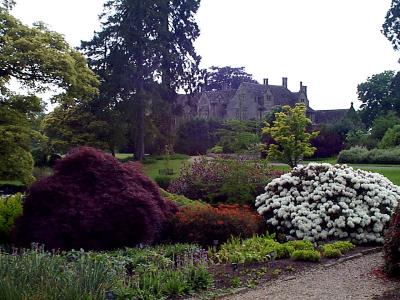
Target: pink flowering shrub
223,181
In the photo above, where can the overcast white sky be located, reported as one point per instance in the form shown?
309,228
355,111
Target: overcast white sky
330,45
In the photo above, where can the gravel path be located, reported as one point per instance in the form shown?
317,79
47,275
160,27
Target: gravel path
349,280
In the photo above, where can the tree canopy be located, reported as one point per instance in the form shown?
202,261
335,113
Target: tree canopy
289,131
40,59
391,27
144,50
219,78
378,95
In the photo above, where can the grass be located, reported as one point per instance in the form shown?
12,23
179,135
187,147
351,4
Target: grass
152,170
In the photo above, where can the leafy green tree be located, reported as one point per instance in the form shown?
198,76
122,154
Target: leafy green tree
16,163
40,59
382,123
358,137
196,136
218,78
144,50
289,131
377,96
237,136
78,126
391,138
391,27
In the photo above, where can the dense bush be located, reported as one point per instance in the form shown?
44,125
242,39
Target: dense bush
10,210
196,136
360,155
163,181
391,246
328,143
391,138
204,225
321,201
223,181
93,202
336,249
15,163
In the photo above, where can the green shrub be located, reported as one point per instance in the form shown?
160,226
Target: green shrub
16,164
255,249
163,181
306,255
330,252
391,138
10,210
359,155
342,246
301,245
354,155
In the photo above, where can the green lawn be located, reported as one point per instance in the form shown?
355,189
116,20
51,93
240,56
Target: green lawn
152,170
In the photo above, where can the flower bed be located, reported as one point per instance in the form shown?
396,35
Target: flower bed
321,202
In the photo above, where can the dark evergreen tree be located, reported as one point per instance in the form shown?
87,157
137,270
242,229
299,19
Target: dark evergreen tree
219,78
144,51
391,27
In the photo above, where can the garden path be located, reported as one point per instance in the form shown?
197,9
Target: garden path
355,279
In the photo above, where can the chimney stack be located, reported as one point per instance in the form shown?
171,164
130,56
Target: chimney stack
265,81
284,81
303,88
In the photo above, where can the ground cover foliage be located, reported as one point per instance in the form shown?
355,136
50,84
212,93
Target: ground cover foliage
322,202
132,273
91,196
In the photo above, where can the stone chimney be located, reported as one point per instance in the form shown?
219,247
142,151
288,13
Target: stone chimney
265,81
303,88
284,81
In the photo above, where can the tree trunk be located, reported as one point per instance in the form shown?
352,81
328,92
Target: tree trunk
140,128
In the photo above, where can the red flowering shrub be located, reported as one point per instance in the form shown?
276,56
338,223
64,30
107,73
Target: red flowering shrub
93,202
231,181
204,225
391,246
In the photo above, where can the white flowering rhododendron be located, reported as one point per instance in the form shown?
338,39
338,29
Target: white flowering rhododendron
321,201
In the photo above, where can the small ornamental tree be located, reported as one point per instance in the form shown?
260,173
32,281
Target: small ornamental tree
92,202
289,131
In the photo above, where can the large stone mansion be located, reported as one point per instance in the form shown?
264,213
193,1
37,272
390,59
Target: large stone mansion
251,101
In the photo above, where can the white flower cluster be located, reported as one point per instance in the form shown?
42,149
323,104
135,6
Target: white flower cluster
322,201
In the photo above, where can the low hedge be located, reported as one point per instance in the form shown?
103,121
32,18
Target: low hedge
360,155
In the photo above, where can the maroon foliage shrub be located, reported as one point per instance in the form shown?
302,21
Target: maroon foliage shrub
92,202
205,224
391,246
328,143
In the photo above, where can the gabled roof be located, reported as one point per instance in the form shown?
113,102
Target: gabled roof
330,115
224,95
282,96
